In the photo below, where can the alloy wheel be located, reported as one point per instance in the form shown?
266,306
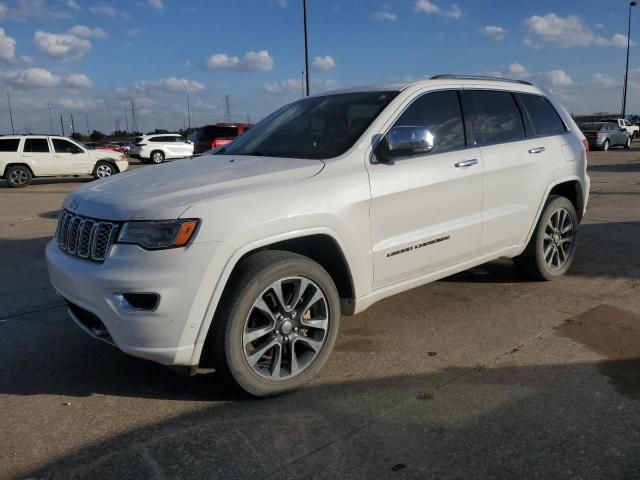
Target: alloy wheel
286,328
103,171
558,239
19,177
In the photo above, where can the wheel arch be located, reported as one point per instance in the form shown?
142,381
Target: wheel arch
319,244
569,187
108,160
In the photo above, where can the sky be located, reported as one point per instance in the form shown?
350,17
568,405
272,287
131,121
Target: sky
92,58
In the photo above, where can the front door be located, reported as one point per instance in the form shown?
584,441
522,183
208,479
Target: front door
426,208
71,158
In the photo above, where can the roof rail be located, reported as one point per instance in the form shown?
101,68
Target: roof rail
478,77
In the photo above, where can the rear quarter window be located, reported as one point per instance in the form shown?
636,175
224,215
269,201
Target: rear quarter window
496,117
544,117
9,144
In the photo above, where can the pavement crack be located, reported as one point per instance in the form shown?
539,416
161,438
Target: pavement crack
29,312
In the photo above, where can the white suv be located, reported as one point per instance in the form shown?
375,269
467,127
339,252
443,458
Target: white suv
23,157
325,207
161,147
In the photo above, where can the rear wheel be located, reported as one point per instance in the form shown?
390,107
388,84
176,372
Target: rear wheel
627,144
552,247
277,323
157,156
18,176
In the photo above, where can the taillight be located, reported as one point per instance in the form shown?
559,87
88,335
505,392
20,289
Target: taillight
585,142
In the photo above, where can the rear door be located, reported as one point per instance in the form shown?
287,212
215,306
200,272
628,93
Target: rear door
516,168
181,147
37,153
71,158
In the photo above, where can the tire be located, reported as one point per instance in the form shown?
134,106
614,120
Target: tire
627,144
156,157
605,145
533,262
18,176
263,364
103,170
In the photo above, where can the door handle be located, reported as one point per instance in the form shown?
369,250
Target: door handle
537,150
466,163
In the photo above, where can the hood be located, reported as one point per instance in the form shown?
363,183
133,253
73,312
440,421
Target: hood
165,191
99,153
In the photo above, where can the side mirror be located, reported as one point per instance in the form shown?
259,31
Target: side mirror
622,129
410,140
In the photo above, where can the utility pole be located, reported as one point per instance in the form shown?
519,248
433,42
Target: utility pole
134,121
126,119
87,118
227,109
306,46
626,72
188,113
302,82
117,125
73,125
13,132
61,125
50,120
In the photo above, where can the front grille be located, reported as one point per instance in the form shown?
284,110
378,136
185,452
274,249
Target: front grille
85,237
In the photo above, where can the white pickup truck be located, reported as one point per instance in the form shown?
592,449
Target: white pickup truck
633,130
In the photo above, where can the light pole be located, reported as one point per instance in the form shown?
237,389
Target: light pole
626,71
13,132
189,112
50,120
306,47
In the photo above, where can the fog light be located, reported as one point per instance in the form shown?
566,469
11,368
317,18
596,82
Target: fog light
137,302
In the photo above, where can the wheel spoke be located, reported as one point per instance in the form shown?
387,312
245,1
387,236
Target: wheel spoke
277,363
548,250
261,305
303,284
254,334
315,298
259,353
312,343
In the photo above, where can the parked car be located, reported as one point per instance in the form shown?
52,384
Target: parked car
213,136
634,130
603,135
160,147
23,157
325,207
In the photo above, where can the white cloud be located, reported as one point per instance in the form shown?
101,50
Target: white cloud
602,79
156,4
252,61
427,6
61,45
78,80
87,32
29,78
384,15
518,70
494,32
7,46
570,31
324,63
108,11
598,25
559,78
24,9
171,84
76,103
293,86
72,4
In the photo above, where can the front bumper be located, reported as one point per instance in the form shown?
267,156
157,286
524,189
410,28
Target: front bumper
166,335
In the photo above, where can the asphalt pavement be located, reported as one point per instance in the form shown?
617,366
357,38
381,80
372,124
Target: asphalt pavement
481,375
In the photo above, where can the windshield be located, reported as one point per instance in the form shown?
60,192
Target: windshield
317,127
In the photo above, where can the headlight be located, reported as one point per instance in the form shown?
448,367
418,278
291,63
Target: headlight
154,235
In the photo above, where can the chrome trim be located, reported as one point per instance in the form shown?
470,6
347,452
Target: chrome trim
466,163
537,150
84,237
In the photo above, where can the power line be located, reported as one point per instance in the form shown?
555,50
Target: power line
50,120
13,132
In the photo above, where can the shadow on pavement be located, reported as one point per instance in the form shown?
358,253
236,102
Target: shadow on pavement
616,167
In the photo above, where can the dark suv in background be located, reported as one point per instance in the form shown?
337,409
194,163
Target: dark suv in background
213,136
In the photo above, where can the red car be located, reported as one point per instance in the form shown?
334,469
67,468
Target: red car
213,136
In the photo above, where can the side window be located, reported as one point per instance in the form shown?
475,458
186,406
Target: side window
9,144
544,117
496,117
36,145
63,146
627,123
439,112
158,139
179,139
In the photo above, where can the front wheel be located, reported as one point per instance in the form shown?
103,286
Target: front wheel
103,170
605,146
627,144
277,323
552,247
